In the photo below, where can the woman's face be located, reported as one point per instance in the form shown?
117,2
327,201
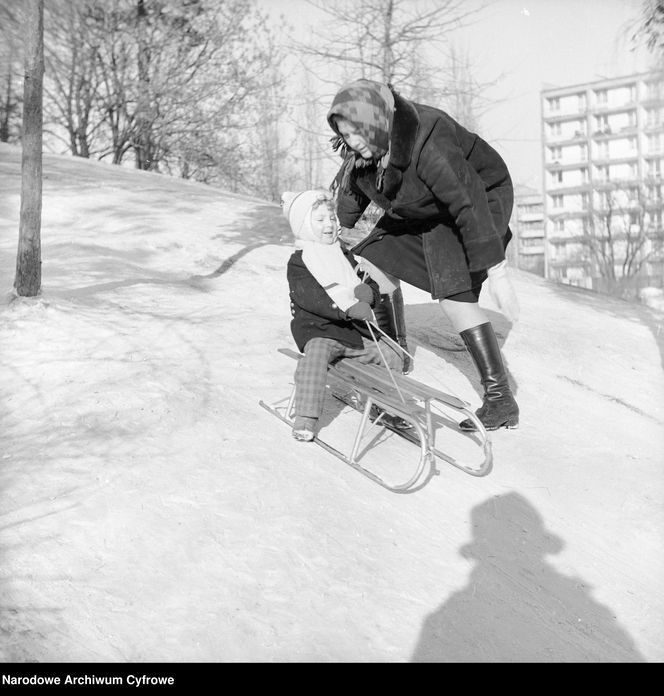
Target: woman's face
352,137
324,223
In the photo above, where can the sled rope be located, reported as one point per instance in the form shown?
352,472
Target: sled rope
440,382
382,357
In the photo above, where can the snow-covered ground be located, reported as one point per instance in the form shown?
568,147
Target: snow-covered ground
150,510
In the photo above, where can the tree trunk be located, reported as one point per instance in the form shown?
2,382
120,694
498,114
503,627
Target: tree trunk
142,148
28,261
8,106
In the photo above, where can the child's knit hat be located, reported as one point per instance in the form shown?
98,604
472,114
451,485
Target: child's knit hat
297,210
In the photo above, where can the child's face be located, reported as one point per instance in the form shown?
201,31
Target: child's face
324,223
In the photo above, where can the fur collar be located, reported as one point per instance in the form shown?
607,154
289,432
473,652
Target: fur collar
404,132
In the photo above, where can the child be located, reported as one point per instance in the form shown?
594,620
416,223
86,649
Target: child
329,304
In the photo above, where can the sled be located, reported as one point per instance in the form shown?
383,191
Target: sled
424,408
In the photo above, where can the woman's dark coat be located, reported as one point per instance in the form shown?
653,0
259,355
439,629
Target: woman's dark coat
314,313
444,182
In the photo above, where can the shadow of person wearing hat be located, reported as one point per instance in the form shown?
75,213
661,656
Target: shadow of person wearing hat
516,607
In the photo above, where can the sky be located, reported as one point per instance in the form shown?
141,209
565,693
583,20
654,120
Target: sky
526,46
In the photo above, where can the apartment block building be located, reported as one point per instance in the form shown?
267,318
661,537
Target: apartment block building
526,250
603,146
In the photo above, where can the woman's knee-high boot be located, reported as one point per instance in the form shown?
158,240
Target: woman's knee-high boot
499,408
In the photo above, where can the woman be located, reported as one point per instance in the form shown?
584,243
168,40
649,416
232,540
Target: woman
447,197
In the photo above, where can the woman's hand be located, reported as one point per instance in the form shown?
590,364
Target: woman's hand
502,291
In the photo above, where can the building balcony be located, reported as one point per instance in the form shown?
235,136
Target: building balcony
605,134
560,140
563,116
652,100
570,263
622,159
531,251
566,214
625,107
530,217
560,240
531,234
558,166
567,189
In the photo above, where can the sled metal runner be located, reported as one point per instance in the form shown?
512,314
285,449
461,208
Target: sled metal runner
394,395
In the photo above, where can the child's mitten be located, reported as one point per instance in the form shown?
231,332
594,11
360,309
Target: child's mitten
364,293
360,310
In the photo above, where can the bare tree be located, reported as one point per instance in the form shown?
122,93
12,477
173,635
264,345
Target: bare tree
28,262
169,80
650,28
10,63
72,85
388,40
625,233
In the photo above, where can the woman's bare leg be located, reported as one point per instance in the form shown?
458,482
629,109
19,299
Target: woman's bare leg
463,315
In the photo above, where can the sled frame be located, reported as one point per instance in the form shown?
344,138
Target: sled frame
412,401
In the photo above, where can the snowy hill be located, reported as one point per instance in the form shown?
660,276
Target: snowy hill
150,510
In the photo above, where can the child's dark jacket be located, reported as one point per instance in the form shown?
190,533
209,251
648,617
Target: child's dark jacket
314,313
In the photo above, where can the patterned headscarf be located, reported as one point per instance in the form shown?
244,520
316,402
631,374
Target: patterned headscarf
369,106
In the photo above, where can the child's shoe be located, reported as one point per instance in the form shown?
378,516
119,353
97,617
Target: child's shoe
303,428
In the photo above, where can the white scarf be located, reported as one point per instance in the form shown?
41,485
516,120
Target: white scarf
333,271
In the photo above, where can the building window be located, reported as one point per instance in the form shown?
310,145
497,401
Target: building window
580,129
655,167
653,90
601,97
582,101
584,201
653,142
653,117
602,123
583,152
603,150
631,143
556,153
654,193
584,175
559,226
555,129
557,201
530,242
602,173
554,104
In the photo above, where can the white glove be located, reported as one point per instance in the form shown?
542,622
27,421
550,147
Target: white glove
502,291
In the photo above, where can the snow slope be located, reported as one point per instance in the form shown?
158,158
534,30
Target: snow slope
150,510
